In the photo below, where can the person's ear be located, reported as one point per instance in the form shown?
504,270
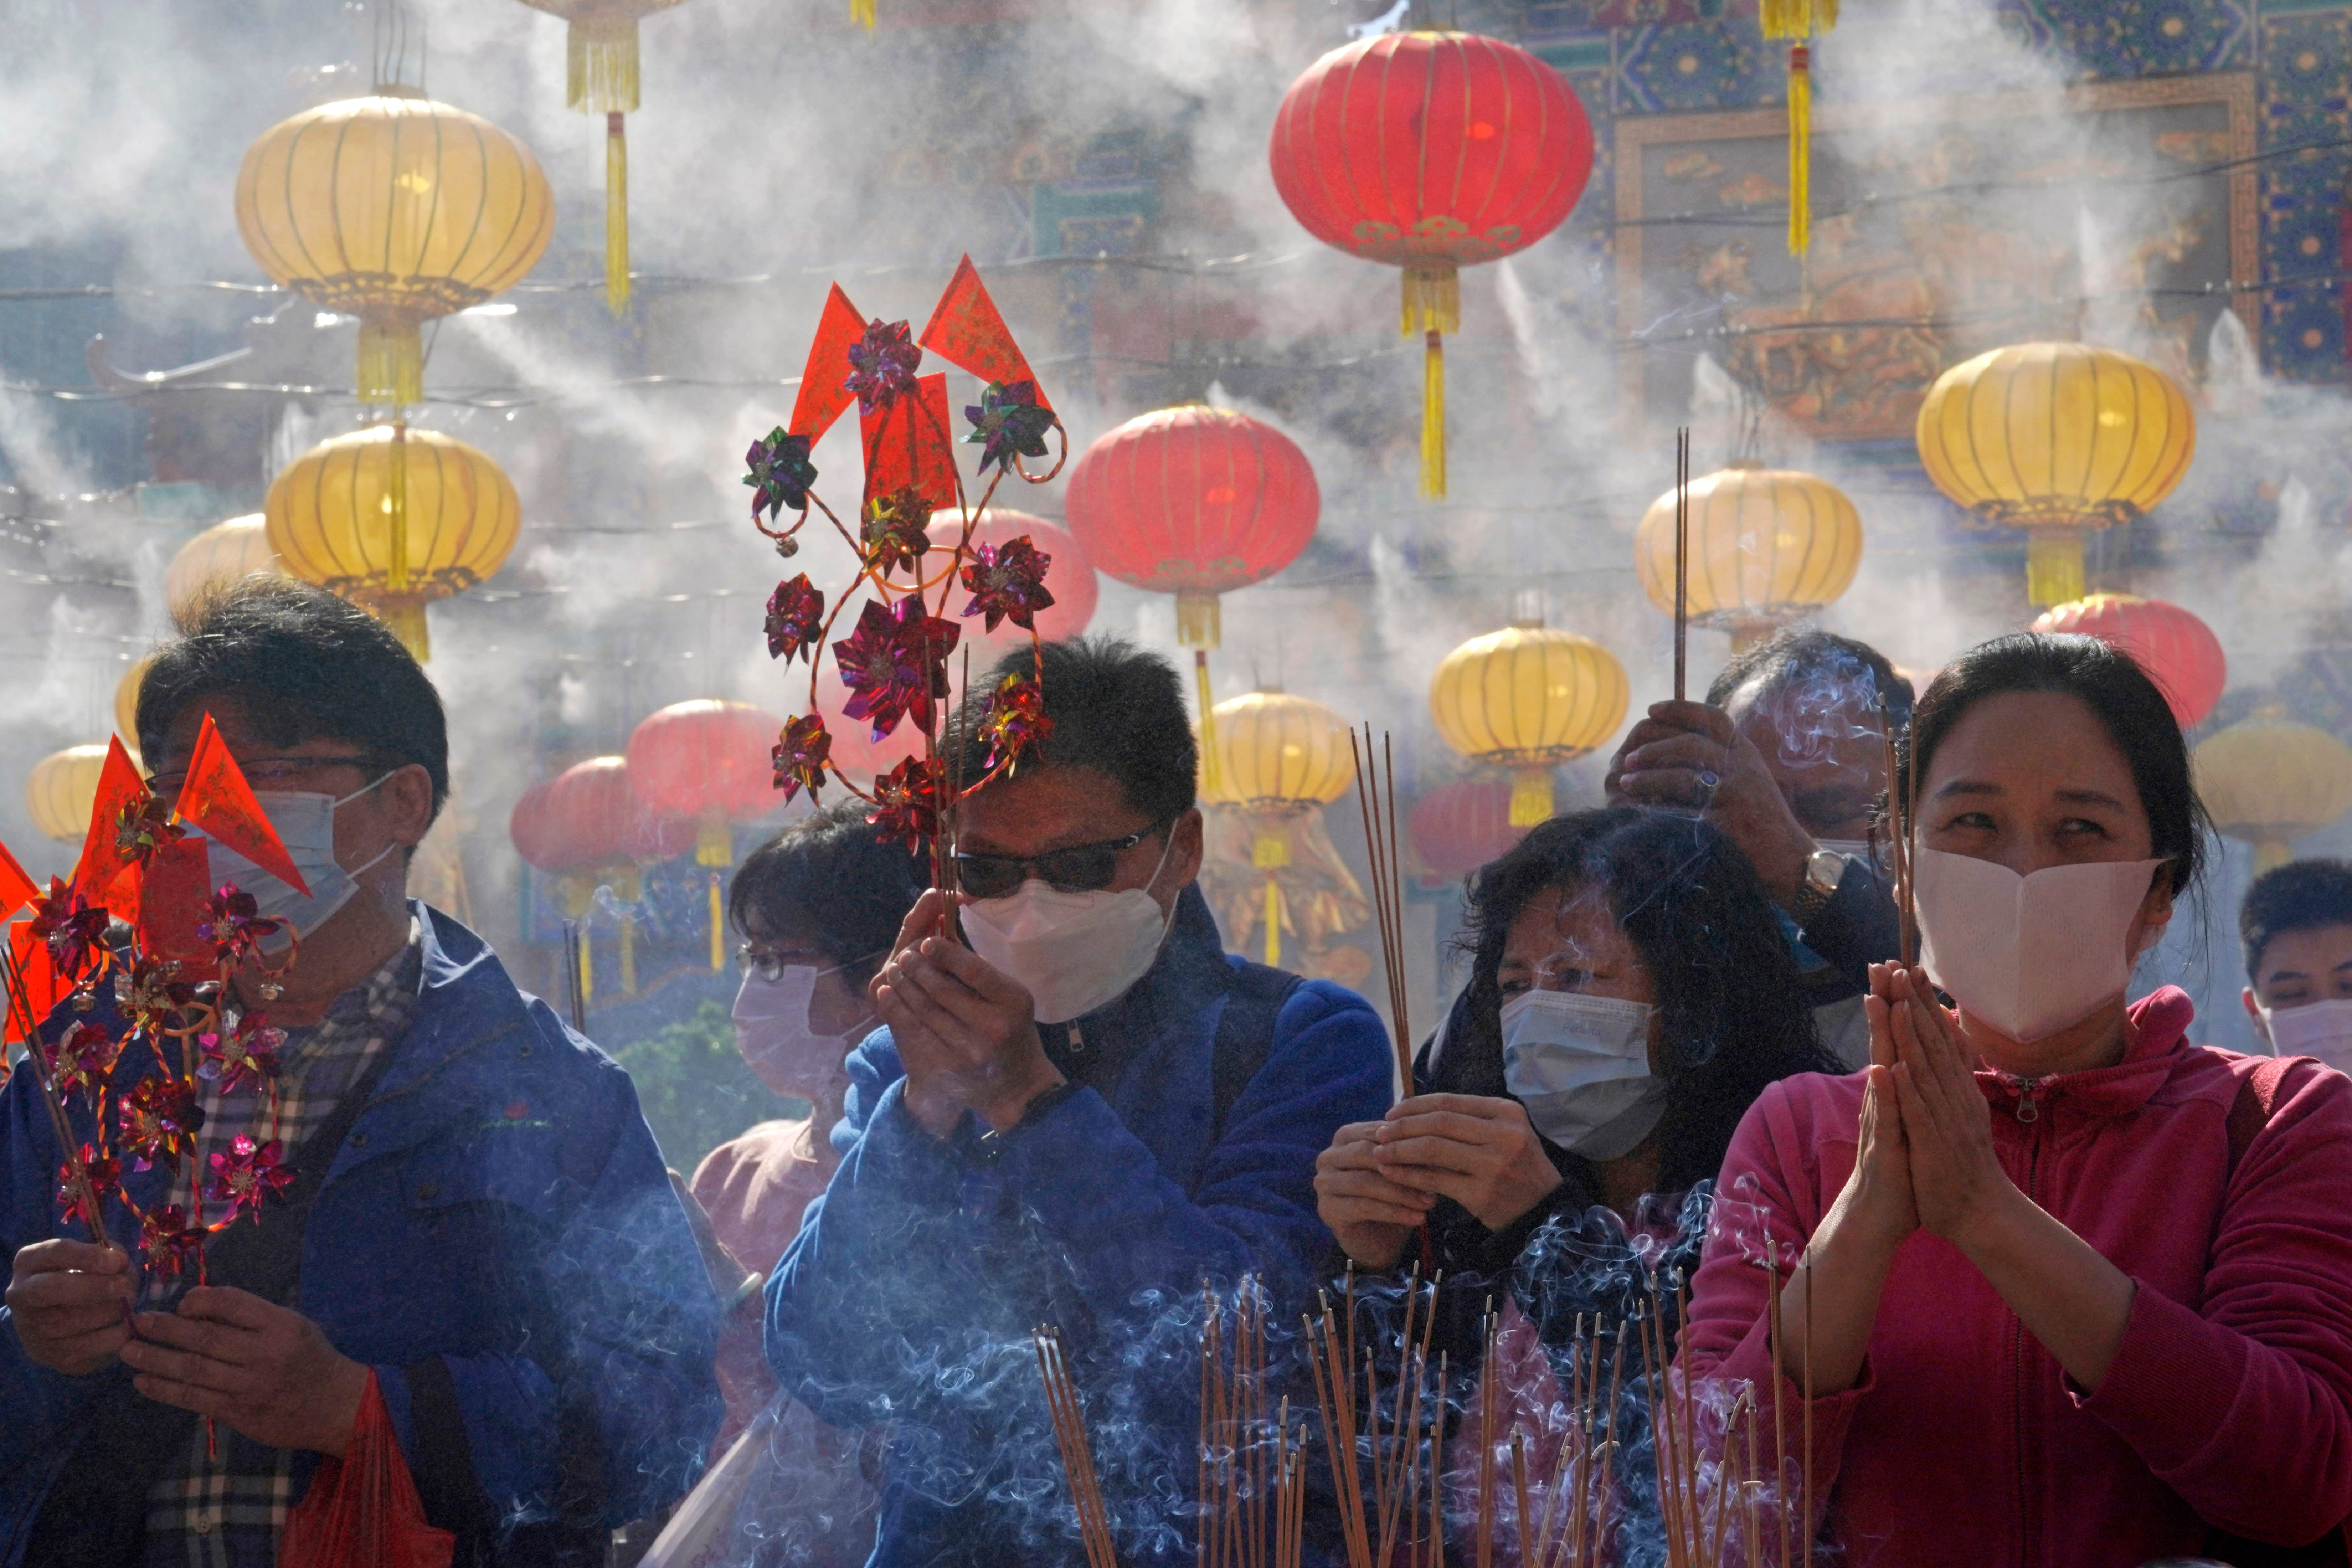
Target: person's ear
406,794
1185,849
2254,1011
2154,912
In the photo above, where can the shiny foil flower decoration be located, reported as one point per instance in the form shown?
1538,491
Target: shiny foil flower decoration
907,803
167,1243
144,826
82,1057
795,618
780,474
74,930
894,531
1007,421
895,665
800,754
150,991
234,925
246,1052
882,365
247,1175
102,1172
159,1119
1008,583
1016,722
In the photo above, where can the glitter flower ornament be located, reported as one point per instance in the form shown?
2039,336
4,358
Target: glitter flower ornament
1015,723
1008,422
882,365
1008,583
795,618
894,532
149,993
780,474
234,926
143,827
74,930
247,1051
907,803
799,756
159,1119
82,1058
247,1175
895,665
167,1243
102,1172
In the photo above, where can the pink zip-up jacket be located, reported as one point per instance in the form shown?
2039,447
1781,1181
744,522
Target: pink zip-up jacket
1963,1442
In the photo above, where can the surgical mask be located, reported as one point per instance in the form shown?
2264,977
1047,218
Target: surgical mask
305,824
2323,1030
778,1043
1073,952
1580,1065
2029,955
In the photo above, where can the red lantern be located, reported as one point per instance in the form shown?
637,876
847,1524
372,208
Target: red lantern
707,761
538,837
2178,651
1460,827
1070,578
1431,150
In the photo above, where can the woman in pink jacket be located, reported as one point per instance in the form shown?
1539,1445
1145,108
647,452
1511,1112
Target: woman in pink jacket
2077,1292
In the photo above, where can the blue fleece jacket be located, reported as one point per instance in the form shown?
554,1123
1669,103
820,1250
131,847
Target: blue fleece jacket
911,1290
497,1238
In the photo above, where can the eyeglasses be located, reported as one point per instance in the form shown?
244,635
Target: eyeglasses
1081,868
771,966
264,773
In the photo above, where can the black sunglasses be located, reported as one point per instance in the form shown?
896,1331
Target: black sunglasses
1081,868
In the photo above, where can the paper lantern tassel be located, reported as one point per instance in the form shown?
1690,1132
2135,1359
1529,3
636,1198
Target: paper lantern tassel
392,363
2053,567
1531,800
617,215
1210,784
1801,149
1432,307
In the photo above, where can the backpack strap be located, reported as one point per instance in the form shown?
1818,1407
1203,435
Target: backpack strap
1245,1036
2249,1111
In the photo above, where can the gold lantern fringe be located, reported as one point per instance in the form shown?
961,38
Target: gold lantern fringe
718,927
405,618
1269,852
392,363
1531,800
617,215
395,507
1432,306
1199,623
862,13
2053,566
714,842
1797,21
1211,776
587,965
600,61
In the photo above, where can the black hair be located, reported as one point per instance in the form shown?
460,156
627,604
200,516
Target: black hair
1733,1016
850,889
2302,896
1807,654
2131,708
1116,708
306,667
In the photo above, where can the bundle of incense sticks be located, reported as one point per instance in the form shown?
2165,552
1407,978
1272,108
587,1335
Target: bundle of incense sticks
1388,1532
1697,1499
1376,798
1681,563
575,938
1077,1454
26,1025
1238,1529
1903,830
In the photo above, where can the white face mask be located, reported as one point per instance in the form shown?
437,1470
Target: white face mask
2323,1030
1580,1065
782,1049
305,824
2030,955
1073,952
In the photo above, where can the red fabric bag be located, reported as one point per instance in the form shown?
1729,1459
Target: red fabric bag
362,1511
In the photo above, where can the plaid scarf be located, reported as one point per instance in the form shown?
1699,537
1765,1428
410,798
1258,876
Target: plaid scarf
222,1505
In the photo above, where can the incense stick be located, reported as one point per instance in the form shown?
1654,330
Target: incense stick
1077,1457
1681,563
1806,1496
1899,840
1775,1335
1910,853
1376,802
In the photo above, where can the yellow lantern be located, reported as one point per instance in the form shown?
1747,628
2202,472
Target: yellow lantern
1277,758
63,788
334,521
395,209
1766,546
2059,439
601,78
2267,781
225,553
126,702
1528,698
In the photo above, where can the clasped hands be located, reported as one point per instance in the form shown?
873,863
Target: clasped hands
1378,1181
262,1370
966,1032
1926,1158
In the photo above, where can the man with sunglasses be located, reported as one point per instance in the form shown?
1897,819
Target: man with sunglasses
480,1222
1076,1115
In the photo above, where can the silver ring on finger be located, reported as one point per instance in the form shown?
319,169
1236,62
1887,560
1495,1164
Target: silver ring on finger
1709,781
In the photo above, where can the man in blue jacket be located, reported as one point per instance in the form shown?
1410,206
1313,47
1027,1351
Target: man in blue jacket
1077,1120
479,1218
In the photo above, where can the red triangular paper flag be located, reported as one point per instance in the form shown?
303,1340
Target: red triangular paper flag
907,444
823,396
171,903
216,799
16,885
36,978
967,330
120,789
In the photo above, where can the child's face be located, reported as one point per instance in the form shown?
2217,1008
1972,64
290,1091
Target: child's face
2299,968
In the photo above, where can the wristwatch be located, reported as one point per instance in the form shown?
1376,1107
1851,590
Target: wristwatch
1824,869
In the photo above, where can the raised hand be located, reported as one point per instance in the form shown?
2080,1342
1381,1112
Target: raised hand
1668,759
966,1032
1480,1152
267,1371
68,1302
1957,1179
1373,1216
